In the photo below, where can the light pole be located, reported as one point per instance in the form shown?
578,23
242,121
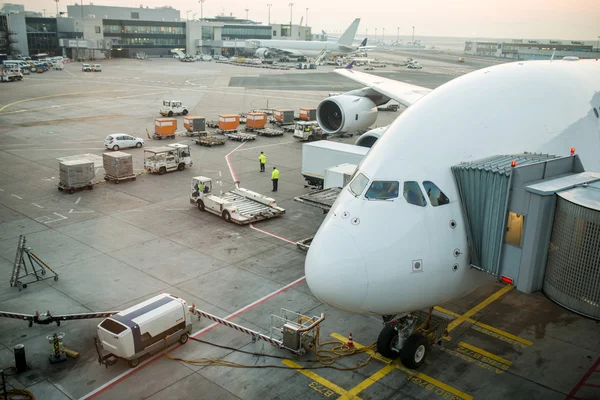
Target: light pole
306,16
291,8
247,9
194,16
398,37
413,41
201,8
44,10
367,33
383,36
375,35
269,7
57,14
187,14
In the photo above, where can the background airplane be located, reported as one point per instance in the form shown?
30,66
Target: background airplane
395,240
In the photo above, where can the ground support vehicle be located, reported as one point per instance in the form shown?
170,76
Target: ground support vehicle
10,76
169,158
318,156
210,141
240,137
269,132
322,199
173,107
145,328
240,206
307,131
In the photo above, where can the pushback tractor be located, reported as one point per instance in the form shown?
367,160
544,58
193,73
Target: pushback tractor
169,158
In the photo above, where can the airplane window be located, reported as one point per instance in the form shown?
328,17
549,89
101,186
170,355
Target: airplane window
436,196
413,194
383,190
358,184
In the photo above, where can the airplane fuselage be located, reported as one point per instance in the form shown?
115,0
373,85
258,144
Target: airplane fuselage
306,48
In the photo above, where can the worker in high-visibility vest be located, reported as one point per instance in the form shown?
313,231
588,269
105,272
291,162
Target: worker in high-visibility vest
275,178
263,160
199,188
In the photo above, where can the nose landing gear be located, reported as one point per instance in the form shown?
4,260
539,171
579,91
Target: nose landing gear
410,336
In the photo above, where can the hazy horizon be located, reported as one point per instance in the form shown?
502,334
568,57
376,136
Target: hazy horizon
535,19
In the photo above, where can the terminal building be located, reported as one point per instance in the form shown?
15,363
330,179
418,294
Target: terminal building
531,49
91,31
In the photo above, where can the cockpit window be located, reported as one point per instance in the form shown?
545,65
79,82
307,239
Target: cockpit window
436,196
358,184
413,194
383,190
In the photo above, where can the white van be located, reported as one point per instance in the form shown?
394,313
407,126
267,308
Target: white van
145,328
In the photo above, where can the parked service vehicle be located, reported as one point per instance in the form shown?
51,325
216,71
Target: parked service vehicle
308,131
241,206
221,58
10,75
172,107
58,66
118,141
143,329
414,65
97,68
86,67
169,158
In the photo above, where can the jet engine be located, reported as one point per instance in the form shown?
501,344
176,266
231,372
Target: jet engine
346,113
262,53
369,138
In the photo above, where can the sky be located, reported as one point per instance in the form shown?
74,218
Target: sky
527,19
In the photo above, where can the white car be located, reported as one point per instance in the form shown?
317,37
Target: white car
86,67
117,141
97,68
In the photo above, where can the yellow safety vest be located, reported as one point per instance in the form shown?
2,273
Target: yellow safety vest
263,159
275,174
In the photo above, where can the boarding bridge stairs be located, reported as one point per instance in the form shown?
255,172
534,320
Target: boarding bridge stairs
321,57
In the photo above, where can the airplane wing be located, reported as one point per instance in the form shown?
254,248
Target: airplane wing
404,93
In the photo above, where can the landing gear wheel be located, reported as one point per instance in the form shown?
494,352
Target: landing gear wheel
184,338
134,363
226,216
200,205
185,112
386,342
414,351
162,170
181,167
115,147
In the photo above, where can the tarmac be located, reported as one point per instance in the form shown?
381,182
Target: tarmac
117,245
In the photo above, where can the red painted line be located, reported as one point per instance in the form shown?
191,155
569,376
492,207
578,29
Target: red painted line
201,332
571,394
592,385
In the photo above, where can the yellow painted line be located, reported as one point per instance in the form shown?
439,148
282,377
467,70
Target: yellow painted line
368,382
329,385
485,326
435,382
80,103
57,95
485,353
479,307
376,356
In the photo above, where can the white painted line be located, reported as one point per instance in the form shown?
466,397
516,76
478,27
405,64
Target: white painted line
1,190
176,209
79,199
37,205
70,73
14,195
236,314
269,145
54,220
79,212
220,175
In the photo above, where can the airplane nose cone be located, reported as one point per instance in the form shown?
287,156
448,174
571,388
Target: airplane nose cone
335,270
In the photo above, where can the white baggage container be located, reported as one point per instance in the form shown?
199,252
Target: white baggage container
144,328
323,154
339,176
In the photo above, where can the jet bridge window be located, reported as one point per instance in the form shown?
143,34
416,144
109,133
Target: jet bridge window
413,194
358,184
436,196
383,190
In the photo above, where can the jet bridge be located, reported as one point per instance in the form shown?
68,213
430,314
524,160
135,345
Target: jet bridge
533,221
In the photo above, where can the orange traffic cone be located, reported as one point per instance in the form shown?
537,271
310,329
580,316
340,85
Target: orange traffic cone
350,343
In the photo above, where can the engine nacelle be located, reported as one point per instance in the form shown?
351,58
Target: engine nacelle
369,138
262,53
346,113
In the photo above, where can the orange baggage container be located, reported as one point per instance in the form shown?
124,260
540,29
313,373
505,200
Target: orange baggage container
165,126
284,115
308,114
229,122
256,120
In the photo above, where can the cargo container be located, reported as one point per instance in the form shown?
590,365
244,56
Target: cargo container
75,174
118,166
284,116
323,154
144,328
165,127
194,124
229,122
339,176
308,114
256,120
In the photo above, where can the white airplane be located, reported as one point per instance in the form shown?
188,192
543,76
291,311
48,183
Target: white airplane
364,256
297,48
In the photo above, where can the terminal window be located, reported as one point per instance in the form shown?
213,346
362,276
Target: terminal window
514,228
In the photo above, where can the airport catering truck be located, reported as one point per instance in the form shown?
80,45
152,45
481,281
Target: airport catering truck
145,328
320,155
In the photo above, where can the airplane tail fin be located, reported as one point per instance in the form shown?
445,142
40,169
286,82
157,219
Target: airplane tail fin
324,33
348,37
350,65
363,43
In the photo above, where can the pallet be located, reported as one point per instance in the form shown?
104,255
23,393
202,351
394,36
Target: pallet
118,179
210,141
